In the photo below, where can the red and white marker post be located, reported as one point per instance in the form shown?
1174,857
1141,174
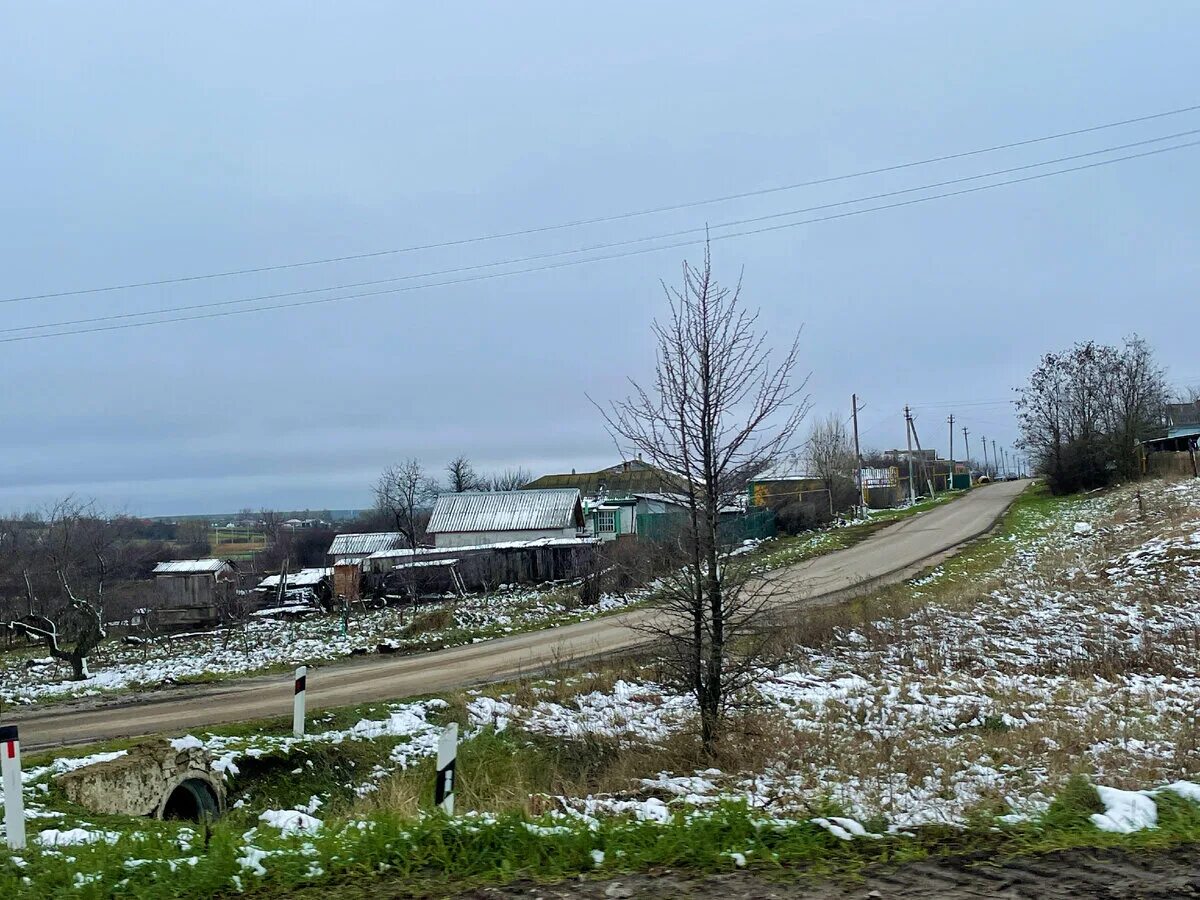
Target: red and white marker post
447,756
298,706
14,799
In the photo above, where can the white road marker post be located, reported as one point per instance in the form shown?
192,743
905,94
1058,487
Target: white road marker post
14,800
298,706
447,755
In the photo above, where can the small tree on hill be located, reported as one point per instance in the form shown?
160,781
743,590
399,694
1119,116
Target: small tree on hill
717,413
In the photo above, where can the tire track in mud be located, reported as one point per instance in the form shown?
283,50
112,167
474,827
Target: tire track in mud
1066,875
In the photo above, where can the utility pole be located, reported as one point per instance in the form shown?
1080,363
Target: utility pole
995,458
967,454
986,467
912,491
924,468
950,476
862,488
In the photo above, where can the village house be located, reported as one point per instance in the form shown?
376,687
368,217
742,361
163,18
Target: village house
474,518
611,516
625,478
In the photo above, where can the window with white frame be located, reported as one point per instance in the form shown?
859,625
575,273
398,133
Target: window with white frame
606,521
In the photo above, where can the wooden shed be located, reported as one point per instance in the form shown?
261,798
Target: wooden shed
192,592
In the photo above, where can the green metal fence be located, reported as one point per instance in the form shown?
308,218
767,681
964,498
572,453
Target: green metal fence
666,527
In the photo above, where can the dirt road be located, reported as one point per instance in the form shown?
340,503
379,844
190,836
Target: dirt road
1067,875
889,554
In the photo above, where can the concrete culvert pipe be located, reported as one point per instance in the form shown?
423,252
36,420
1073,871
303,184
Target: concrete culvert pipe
153,778
192,800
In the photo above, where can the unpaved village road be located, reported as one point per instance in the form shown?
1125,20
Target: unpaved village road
890,554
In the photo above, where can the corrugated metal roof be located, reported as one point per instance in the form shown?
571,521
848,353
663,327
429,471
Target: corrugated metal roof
365,544
189,567
506,511
533,544
303,578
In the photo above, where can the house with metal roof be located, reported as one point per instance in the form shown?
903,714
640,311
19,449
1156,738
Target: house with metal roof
473,518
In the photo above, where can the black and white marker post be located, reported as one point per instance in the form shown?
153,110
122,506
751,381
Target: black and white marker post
14,800
443,788
298,707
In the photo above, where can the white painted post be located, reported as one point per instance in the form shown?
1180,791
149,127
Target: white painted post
14,799
443,788
298,707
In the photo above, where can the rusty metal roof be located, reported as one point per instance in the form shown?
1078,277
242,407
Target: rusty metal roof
365,544
507,511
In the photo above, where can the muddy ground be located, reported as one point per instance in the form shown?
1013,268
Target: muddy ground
1072,874
1057,876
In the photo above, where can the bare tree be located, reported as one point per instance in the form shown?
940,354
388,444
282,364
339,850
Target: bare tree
63,571
461,476
509,480
405,493
1083,411
717,413
830,456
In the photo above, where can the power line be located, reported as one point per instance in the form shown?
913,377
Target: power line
602,219
592,248
611,256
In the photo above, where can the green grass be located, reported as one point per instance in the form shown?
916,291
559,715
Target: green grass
433,854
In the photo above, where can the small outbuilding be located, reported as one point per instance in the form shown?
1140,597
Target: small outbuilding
473,518
354,548
192,592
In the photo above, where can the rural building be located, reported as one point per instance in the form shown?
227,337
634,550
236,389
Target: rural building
305,584
627,477
612,516
787,482
192,592
474,518
1174,449
1182,431
354,548
438,570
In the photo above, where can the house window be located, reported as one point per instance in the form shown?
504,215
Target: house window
606,521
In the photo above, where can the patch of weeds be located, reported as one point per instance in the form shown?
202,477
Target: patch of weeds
1073,806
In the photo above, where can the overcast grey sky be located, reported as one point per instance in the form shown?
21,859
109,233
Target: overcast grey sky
145,140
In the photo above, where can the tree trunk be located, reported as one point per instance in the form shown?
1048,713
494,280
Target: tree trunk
79,669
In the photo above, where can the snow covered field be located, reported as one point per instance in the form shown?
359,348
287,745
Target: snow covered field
1071,648
266,643
1078,653
1066,645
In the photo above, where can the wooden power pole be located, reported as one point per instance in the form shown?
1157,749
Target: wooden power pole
908,429
862,487
950,475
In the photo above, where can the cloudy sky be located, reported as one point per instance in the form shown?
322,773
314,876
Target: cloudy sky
149,141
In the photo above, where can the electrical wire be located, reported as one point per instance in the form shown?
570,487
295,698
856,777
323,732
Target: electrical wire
692,204
588,249
611,256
